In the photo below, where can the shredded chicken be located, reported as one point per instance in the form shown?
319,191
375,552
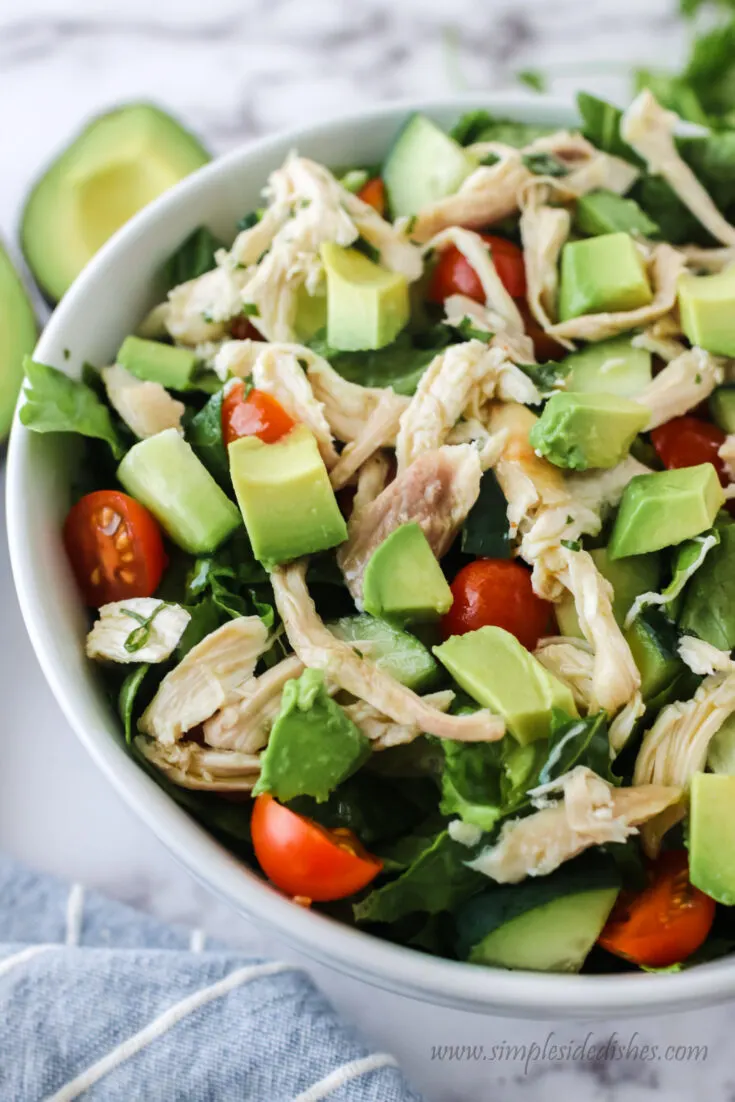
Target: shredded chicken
682,385
120,619
205,679
319,649
727,455
709,261
384,733
199,310
372,479
601,491
379,431
666,265
348,407
517,346
501,309
544,231
192,766
702,658
661,343
278,372
572,662
146,408
436,491
649,129
591,813
244,723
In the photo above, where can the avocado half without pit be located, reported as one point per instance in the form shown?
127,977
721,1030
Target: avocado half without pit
18,334
118,164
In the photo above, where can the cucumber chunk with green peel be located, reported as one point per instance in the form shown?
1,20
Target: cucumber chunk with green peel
548,924
423,166
653,643
722,407
18,335
609,367
396,652
119,163
164,474
157,362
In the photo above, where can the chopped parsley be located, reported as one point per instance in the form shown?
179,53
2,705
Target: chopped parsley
250,310
545,164
572,545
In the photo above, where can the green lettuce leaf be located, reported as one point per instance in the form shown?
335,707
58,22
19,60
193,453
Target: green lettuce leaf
204,433
486,533
481,126
56,403
400,364
193,258
709,599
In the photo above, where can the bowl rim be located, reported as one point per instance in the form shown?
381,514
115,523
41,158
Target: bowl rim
351,951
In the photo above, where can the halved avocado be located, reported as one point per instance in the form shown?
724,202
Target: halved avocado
119,163
18,335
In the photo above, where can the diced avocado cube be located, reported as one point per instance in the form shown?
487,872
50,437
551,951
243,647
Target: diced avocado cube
587,430
712,835
403,580
628,577
423,165
653,642
499,673
609,367
157,362
722,407
285,497
164,474
602,274
313,744
401,655
665,508
603,211
367,306
311,314
707,309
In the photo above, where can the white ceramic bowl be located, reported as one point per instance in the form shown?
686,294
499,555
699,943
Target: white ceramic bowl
107,302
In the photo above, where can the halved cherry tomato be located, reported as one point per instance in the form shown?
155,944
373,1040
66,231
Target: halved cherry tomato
115,547
687,442
497,592
546,347
373,192
664,923
242,329
304,859
258,415
453,275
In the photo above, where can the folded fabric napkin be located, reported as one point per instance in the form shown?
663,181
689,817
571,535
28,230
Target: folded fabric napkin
101,1002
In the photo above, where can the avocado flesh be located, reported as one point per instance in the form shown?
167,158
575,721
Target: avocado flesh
285,496
603,211
313,744
18,335
499,673
707,306
712,835
367,306
664,509
403,580
609,367
119,163
157,362
628,577
580,431
602,274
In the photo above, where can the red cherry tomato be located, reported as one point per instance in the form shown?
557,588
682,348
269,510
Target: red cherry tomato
373,192
304,859
497,592
664,923
257,415
453,275
546,347
115,547
687,442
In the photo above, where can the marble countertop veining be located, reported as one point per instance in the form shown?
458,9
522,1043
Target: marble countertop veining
234,69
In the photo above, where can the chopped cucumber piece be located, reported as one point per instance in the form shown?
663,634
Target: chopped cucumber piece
424,165
396,652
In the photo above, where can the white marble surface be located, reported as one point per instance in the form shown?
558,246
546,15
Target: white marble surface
234,69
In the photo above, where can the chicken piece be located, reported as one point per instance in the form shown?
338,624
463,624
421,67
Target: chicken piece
727,455
544,231
572,662
592,813
500,307
196,767
244,723
527,481
666,265
601,491
649,129
437,491
119,619
146,408
516,346
380,431
708,261
682,385
319,649
278,372
702,658
624,723
372,479
205,679
199,310
661,344
383,732
348,407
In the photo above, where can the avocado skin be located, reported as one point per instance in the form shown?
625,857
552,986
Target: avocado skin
18,335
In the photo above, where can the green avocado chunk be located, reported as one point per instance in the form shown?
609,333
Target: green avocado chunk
367,306
313,744
18,335
707,308
722,407
499,673
157,362
119,163
665,508
587,430
285,497
423,165
609,367
628,577
164,474
712,835
403,580
602,274
603,211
